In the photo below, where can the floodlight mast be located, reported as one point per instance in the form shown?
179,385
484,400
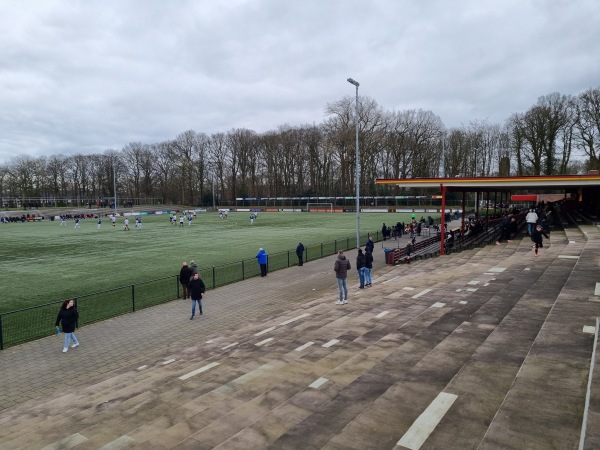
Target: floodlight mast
357,164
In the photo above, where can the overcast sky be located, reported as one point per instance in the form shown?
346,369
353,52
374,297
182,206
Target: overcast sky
85,76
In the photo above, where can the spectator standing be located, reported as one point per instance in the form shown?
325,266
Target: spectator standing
67,317
300,253
184,278
538,240
531,220
194,269
360,266
341,267
504,230
261,256
370,246
196,288
368,266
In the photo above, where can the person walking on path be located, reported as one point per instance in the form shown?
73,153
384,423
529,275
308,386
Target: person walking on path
531,220
360,266
196,288
341,267
300,253
184,278
537,238
67,317
261,256
368,267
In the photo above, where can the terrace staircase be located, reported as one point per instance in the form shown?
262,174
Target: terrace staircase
496,327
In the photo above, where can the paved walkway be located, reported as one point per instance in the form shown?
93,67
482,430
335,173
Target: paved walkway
493,336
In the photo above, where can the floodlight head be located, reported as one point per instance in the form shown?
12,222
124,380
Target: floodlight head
354,82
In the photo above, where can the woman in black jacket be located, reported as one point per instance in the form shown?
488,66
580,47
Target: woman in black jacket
68,316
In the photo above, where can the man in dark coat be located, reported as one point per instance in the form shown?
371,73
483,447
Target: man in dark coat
341,267
300,253
184,278
196,288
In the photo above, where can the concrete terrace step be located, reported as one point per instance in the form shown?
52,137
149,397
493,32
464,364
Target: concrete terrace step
373,366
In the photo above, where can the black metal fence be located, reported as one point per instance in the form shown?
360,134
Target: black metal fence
17,327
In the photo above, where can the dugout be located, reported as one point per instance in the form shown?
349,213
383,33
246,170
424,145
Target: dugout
583,191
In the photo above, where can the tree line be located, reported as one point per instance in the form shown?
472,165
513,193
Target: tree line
319,159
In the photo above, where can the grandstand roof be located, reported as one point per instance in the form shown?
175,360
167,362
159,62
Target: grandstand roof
498,183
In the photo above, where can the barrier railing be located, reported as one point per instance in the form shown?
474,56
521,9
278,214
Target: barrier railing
18,327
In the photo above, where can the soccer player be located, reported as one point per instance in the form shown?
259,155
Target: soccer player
63,221
252,219
190,218
181,221
77,223
99,222
126,226
113,220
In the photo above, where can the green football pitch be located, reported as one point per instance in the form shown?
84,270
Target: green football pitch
45,262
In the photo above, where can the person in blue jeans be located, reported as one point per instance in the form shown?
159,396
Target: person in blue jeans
196,290
341,267
360,266
368,266
67,316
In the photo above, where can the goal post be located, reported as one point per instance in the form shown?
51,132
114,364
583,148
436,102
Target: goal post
319,207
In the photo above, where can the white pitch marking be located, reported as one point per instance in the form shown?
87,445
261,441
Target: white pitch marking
423,292
462,302
302,347
597,290
330,343
68,442
420,430
119,443
318,383
229,346
473,282
260,333
200,370
294,319
408,288
471,289
568,257
145,366
381,314
497,269
589,329
169,361
258,344
438,305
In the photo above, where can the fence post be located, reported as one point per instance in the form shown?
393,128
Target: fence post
1,334
133,296
321,249
288,258
177,280
213,278
243,274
